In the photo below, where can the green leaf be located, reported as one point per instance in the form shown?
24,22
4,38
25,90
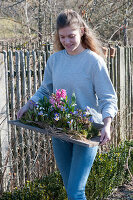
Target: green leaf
73,98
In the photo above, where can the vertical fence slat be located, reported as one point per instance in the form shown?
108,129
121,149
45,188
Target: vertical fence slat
126,90
129,72
22,60
4,134
23,100
28,74
39,68
115,86
34,71
18,79
121,91
18,96
131,61
13,128
29,92
7,179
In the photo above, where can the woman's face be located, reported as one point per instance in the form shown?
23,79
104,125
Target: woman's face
70,38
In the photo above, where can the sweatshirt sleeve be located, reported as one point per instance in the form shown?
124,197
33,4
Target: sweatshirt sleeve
46,87
106,95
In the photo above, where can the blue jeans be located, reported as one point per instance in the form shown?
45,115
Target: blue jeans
74,163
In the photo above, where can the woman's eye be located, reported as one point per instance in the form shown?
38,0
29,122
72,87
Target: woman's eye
72,36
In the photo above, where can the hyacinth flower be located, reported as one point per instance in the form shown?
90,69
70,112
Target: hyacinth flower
57,100
61,93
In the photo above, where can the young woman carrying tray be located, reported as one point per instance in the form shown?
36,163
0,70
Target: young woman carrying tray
78,67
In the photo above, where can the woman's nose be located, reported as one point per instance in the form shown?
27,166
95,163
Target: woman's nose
67,40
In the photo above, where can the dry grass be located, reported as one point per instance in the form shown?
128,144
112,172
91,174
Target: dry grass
10,29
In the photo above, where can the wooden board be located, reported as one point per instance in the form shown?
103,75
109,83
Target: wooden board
63,136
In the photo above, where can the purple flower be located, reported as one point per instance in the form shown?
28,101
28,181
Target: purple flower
87,108
56,118
40,113
75,112
56,114
63,108
70,122
90,119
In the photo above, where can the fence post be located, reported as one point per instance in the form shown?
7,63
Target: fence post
3,124
121,92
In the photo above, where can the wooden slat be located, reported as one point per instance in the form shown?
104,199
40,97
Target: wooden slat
28,132
18,95
34,90
22,60
129,72
7,180
39,68
34,71
13,129
28,74
23,100
115,86
18,79
12,85
131,61
126,90
44,59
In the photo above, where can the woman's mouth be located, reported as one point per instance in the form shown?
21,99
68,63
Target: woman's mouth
68,46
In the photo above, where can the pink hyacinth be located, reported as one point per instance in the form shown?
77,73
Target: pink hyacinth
56,99
61,93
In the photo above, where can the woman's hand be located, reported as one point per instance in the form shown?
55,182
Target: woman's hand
25,108
106,131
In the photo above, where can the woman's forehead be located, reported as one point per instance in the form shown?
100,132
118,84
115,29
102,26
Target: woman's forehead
67,30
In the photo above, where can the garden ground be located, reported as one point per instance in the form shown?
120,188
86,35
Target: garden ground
124,192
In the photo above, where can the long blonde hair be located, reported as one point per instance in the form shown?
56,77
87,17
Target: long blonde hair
71,18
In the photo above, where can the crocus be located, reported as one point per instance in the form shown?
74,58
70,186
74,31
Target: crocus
40,113
63,109
70,122
90,119
56,118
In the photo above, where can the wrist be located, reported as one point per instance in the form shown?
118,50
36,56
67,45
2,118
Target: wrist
107,121
30,104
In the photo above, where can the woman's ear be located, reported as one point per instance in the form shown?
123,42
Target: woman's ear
82,31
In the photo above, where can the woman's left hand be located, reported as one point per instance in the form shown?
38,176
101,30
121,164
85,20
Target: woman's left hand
105,135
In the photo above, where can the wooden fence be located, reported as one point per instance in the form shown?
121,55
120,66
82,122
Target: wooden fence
24,46
26,155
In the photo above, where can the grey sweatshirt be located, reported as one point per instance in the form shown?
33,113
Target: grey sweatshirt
85,74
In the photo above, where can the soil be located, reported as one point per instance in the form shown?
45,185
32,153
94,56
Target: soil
124,192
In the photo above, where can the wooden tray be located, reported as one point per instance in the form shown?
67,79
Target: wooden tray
94,141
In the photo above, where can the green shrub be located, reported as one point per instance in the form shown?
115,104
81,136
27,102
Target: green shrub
48,188
108,172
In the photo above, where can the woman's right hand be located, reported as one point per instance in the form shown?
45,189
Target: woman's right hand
24,109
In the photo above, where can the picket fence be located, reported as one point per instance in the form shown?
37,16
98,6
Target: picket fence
26,155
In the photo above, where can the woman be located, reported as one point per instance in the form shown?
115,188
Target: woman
78,67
